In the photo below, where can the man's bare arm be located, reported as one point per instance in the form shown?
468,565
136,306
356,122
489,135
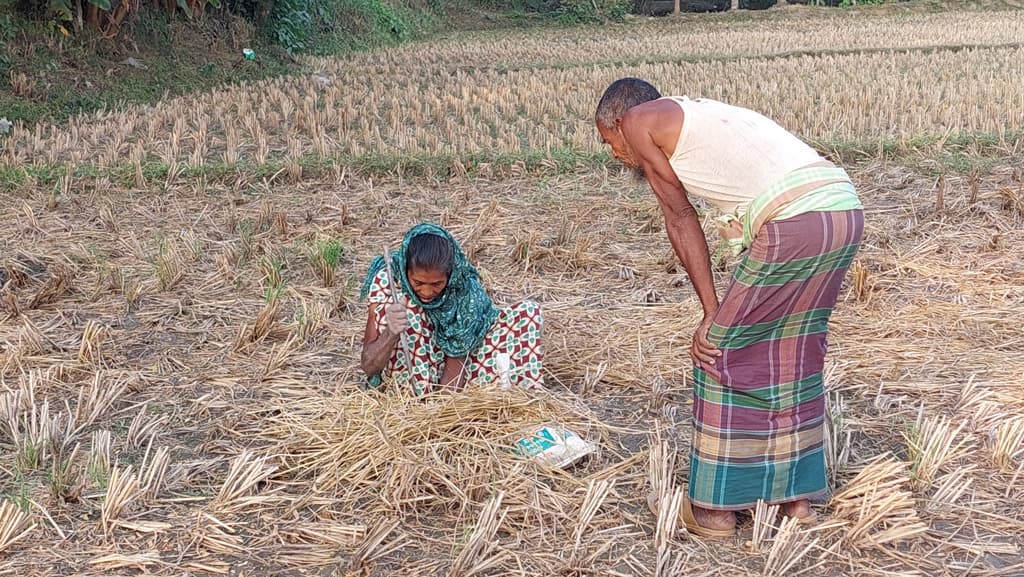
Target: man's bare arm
681,222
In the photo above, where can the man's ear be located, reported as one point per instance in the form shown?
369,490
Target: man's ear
618,127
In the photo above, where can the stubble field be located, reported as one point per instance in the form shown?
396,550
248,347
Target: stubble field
179,384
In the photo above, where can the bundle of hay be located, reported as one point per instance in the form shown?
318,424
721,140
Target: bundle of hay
398,454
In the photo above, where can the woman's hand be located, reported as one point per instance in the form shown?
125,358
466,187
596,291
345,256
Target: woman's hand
396,318
454,375
703,352
379,344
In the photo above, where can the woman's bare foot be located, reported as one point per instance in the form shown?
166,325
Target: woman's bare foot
712,519
798,509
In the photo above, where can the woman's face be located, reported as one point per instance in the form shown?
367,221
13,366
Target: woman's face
427,283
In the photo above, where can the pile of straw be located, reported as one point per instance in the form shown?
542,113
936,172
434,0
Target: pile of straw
442,451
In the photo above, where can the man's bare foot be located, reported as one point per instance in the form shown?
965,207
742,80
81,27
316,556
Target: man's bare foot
712,519
703,522
798,509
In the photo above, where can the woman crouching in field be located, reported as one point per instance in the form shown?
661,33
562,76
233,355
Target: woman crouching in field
453,333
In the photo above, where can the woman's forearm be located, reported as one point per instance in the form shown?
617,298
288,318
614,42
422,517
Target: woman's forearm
454,376
377,353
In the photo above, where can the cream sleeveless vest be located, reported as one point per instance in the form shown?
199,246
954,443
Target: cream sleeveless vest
729,155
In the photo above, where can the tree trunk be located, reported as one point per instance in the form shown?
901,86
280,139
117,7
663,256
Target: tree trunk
113,27
93,16
675,8
78,16
735,5
264,8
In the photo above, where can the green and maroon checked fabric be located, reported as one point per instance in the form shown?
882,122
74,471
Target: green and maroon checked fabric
759,410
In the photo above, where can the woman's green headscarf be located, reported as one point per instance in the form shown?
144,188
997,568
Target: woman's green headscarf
463,313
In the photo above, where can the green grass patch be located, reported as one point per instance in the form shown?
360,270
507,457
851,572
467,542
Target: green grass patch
557,161
961,154
931,154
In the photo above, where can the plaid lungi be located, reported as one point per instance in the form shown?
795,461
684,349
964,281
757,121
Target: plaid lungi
759,411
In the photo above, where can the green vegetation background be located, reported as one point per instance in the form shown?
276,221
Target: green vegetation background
55,62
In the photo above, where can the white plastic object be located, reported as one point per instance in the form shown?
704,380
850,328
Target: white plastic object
504,366
553,445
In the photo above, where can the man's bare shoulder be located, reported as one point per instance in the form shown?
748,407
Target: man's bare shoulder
654,112
662,119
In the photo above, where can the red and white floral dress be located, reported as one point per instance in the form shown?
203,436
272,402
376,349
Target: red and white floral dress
516,332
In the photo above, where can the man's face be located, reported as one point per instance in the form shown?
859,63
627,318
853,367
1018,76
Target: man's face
613,137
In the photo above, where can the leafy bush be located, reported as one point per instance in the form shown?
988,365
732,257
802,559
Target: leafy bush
579,11
565,11
291,23
326,26
108,16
